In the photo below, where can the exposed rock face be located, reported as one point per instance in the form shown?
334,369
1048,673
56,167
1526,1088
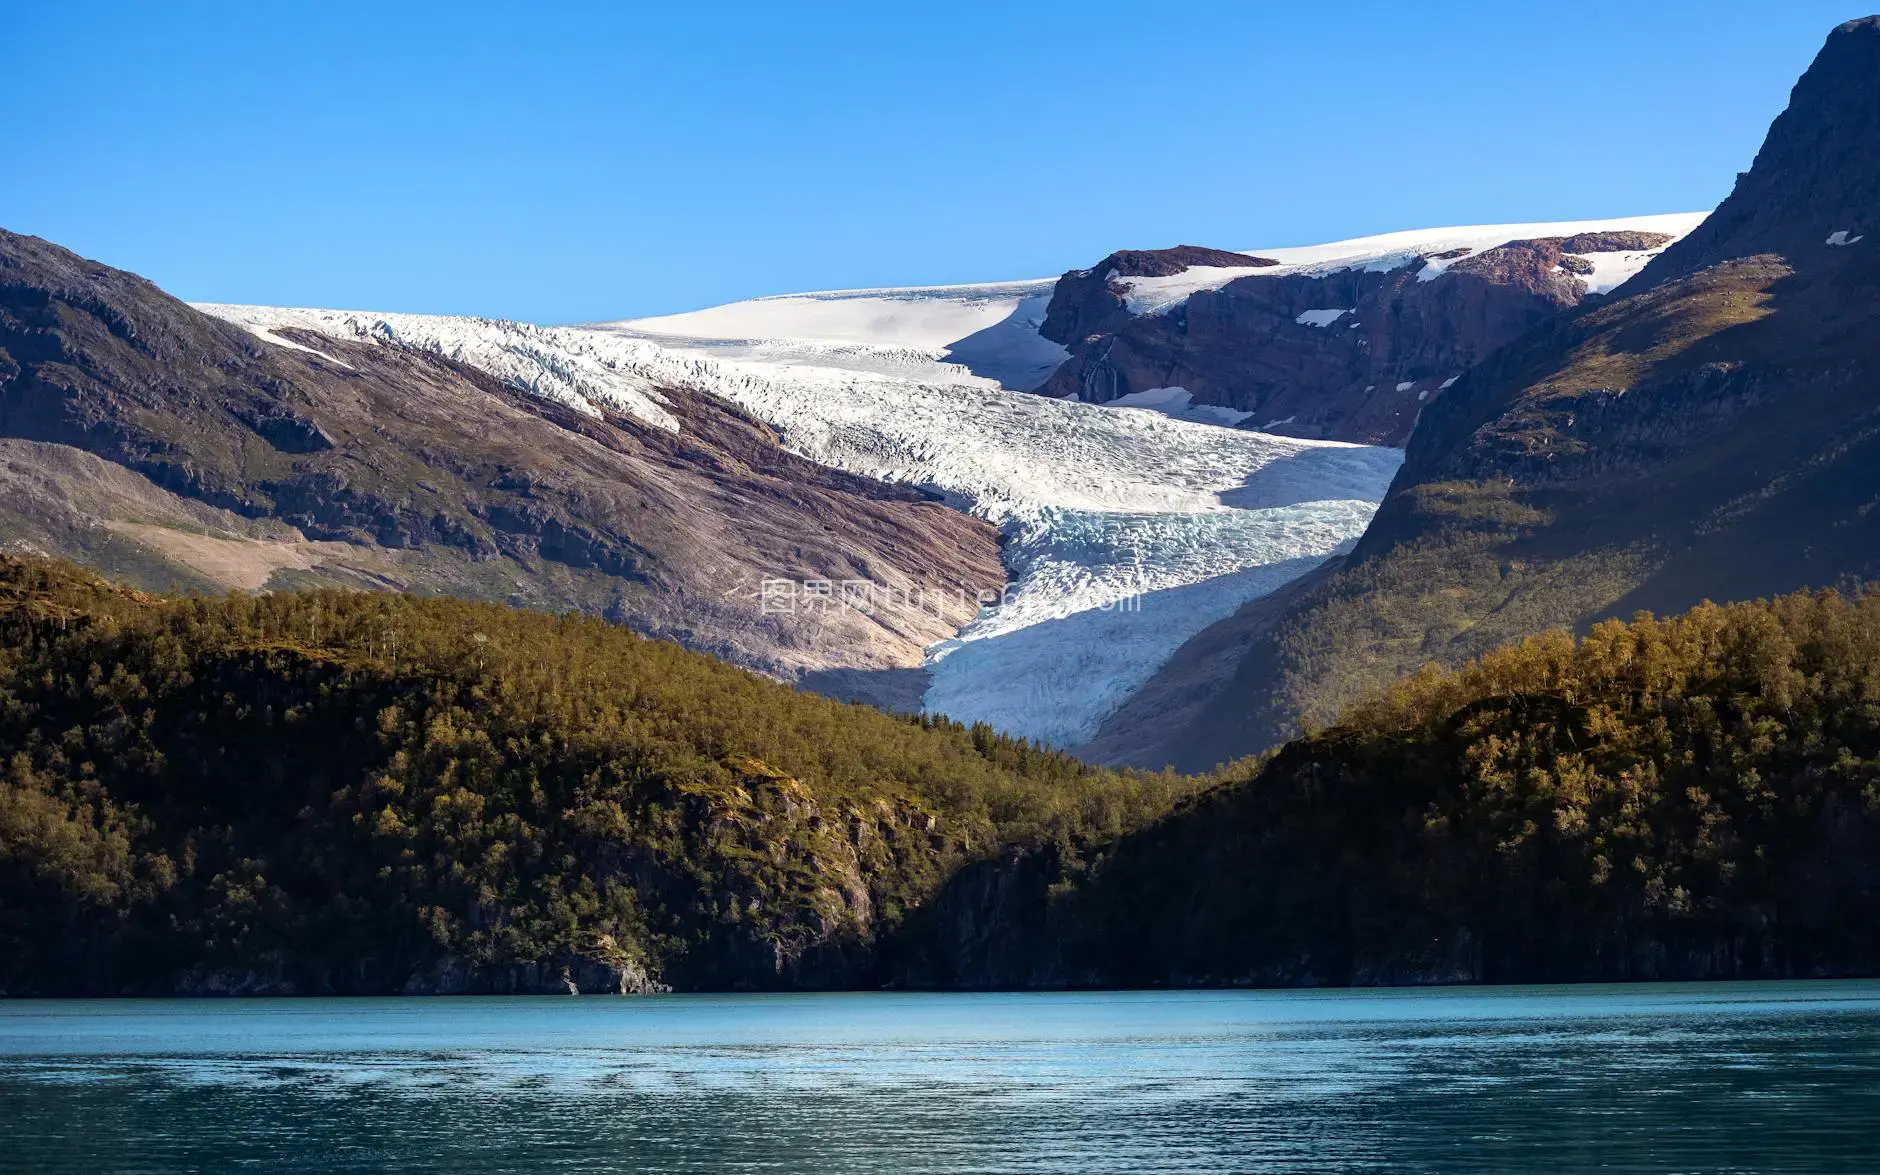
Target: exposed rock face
218,460
452,975
1710,431
1168,262
1341,353
1818,172
1089,302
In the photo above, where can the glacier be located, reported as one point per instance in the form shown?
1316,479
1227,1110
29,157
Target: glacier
1126,530
1127,527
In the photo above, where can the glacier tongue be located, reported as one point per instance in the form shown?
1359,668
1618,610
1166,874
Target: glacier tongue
1099,601
1127,531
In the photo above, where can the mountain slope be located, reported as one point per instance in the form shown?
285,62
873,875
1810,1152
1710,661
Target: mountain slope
368,793
1713,431
1349,340
263,459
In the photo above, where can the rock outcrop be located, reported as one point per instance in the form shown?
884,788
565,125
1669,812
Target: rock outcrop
1342,352
1090,302
1816,180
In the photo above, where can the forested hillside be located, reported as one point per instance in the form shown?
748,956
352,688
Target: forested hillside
364,792
1696,798
353,792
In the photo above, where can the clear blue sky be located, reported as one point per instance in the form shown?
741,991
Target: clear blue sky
612,159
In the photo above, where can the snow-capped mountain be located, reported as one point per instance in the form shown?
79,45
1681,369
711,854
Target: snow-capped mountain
1346,341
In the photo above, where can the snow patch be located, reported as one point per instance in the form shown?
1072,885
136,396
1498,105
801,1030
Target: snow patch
1840,237
1435,267
1321,317
268,336
1406,385
1179,403
1449,383
1612,270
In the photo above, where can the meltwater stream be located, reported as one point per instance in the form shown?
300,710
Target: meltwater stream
1685,1078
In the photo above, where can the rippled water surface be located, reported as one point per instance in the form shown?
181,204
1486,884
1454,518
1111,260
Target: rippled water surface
1750,1077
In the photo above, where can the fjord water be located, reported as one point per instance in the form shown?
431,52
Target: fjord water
1743,1077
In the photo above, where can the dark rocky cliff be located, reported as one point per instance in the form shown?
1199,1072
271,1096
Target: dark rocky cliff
1817,174
1364,376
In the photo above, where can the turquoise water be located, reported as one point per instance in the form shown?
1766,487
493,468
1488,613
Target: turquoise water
1684,1078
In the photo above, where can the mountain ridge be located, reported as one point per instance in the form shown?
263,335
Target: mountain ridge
1706,432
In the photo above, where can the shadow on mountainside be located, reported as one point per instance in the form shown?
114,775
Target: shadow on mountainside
1011,350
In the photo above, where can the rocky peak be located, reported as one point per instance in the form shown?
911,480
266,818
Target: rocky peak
1552,267
1087,301
1625,241
1816,182
1169,262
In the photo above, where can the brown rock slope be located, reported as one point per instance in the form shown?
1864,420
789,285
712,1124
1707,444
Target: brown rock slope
173,449
1364,377
1711,431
